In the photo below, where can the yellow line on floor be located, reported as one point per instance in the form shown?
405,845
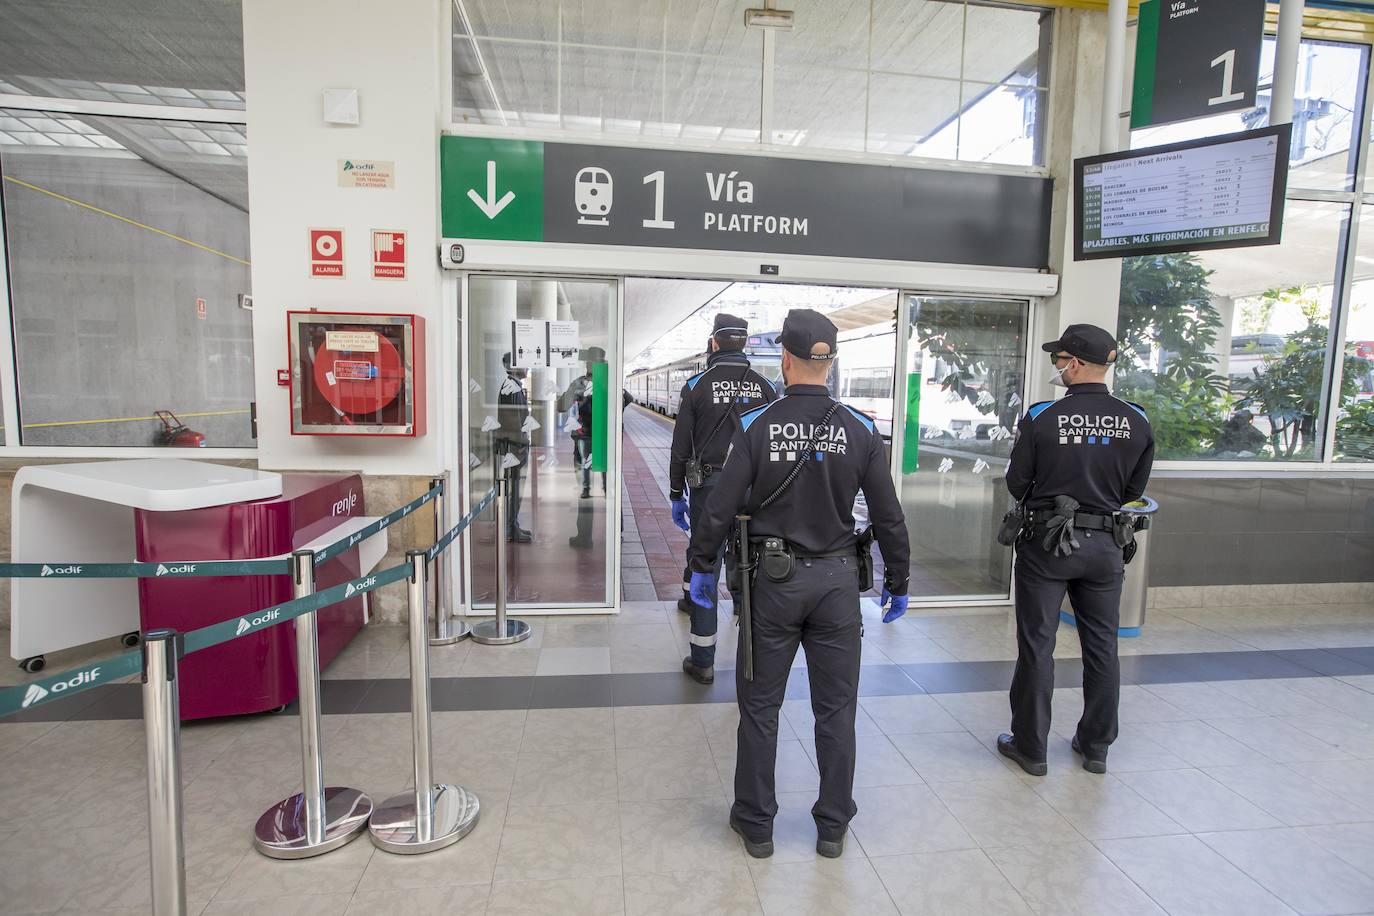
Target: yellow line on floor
125,219
203,413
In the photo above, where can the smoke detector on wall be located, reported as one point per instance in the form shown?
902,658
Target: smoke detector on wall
341,106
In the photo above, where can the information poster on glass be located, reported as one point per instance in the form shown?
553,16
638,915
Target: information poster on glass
1221,192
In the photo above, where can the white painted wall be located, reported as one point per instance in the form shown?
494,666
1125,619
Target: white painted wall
396,55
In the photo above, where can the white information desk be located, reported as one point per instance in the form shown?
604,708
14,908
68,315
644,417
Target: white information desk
84,513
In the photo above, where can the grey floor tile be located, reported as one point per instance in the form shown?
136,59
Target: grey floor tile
1071,878
1352,779
423,901
909,715
894,820
877,763
1283,793
1203,701
1296,870
470,861
658,726
1197,801
653,773
794,831
690,834
583,896
729,891
1272,697
951,757
554,730
1347,734
794,770
571,691
821,888
999,813
1198,743
803,722
565,841
302,905
259,876
954,882
565,777
1103,807
1352,843
1278,741
1187,878
584,660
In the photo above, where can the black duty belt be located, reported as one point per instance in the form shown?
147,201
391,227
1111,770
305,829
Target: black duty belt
803,555
1084,520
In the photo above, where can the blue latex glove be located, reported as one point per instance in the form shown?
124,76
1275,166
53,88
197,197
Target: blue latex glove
680,513
898,605
703,589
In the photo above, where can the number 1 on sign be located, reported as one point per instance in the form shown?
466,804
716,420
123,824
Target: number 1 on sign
658,222
1228,62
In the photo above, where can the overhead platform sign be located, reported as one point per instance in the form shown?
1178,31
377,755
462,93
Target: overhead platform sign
528,191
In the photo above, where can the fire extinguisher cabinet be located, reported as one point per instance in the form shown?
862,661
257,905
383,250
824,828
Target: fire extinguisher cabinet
355,374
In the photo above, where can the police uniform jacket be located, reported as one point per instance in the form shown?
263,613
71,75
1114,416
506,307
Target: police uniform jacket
815,514
512,410
726,384
1089,445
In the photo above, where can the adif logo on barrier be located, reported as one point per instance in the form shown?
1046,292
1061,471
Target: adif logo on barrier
361,586
32,695
59,571
345,506
245,624
354,538
82,678
181,570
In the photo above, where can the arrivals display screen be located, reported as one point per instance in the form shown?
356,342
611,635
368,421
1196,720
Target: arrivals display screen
1221,192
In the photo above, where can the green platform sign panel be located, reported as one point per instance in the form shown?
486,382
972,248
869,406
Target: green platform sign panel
492,189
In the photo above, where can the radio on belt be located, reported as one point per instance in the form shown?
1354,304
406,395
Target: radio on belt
356,374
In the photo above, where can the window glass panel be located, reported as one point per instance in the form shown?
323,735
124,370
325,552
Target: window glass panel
918,37
913,116
109,251
1329,84
713,98
529,19
825,34
1002,45
1227,350
1001,124
1355,418
611,91
502,82
817,107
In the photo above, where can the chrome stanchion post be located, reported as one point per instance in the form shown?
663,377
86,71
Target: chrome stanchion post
318,818
447,629
501,630
162,734
433,815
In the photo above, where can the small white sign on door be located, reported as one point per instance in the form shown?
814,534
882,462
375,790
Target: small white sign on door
564,345
529,344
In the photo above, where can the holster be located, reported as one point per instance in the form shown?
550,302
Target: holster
864,548
1123,530
695,473
776,559
1013,523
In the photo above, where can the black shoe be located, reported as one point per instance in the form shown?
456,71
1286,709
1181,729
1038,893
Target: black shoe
578,543
757,850
586,493
1092,766
699,674
1006,746
685,604
518,537
831,849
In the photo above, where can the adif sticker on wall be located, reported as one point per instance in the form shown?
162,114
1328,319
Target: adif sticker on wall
474,387
946,465
490,424
473,460
530,424
509,461
980,466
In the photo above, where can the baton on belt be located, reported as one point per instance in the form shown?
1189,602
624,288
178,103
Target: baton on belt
746,616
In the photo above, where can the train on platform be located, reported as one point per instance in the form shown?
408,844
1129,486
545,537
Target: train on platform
863,378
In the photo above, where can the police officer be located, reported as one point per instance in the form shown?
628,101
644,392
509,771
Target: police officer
511,438
795,467
707,417
1076,462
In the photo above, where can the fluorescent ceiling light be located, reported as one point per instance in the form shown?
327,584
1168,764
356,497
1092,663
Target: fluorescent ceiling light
768,19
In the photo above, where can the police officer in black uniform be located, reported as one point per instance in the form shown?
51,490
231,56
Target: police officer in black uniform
707,417
795,466
1076,462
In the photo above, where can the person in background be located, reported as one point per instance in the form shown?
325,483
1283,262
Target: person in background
512,439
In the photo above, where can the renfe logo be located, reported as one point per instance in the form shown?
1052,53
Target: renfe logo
59,571
175,570
36,693
346,505
245,624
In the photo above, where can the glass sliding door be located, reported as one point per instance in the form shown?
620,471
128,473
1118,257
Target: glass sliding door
961,383
544,415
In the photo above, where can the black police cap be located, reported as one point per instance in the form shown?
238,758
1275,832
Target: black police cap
803,329
730,326
1088,342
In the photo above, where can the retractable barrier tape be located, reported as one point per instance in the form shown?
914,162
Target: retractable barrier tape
362,534
233,628
72,681
174,570
444,542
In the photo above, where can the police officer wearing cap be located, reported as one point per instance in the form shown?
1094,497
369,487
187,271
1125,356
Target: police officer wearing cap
707,417
795,467
1076,462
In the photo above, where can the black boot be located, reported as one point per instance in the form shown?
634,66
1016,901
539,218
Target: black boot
697,673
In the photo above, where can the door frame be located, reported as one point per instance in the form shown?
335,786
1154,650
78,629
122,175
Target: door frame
459,446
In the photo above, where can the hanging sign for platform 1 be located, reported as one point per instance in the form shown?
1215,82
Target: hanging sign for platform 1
528,191
1195,58
1221,192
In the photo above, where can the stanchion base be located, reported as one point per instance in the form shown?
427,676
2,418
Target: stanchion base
280,832
488,633
457,631
395,829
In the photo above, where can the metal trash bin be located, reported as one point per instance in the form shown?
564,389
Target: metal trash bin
1134,589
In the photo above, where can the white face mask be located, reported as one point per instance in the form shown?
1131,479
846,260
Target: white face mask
1057,379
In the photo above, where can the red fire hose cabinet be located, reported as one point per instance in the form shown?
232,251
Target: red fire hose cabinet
356,374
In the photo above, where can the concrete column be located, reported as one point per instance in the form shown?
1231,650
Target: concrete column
396,56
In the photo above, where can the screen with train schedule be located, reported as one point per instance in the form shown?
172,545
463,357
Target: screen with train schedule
1221,192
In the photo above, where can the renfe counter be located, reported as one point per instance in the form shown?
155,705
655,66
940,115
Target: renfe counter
163,510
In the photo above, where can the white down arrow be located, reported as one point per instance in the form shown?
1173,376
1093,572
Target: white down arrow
491,206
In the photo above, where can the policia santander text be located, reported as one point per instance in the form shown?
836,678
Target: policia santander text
1075,463
794,469
707,417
